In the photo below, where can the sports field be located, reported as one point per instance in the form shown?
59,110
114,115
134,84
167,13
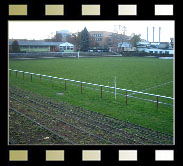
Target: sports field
151,75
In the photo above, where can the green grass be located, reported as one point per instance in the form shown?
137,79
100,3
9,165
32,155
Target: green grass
133,73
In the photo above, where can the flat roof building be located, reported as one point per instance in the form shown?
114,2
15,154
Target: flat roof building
39,46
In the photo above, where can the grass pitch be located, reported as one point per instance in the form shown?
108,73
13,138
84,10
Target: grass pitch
150,75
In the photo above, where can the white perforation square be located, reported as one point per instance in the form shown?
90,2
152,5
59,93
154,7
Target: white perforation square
91,155
163,10
127,9
127,155
164,155
90,10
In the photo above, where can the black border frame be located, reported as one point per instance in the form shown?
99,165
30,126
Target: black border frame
73,154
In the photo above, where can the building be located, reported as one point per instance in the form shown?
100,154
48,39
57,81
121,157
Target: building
125,46
66,47
101,37
41,46
172,42
155,47
142,45
63,34
108,40
159,51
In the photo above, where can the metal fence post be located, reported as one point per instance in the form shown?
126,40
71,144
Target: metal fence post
101,91
65,84
157,104
51,82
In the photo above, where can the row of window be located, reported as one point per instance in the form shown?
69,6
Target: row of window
27,47
97,35
97,39
66,48
160,52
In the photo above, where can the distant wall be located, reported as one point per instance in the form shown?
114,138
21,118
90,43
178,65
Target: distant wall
74,54
145,54
56,54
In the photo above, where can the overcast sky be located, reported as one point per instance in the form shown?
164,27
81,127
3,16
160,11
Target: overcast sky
44,29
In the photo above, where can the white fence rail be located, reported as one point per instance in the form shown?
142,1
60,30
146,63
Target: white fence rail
84,85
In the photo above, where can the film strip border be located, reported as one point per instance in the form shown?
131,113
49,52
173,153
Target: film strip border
16,157
90,10
89,155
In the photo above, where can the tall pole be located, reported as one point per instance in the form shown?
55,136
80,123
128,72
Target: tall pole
159,33
78,54
153,34
115,86
157,104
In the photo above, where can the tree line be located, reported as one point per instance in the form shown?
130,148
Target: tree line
83,41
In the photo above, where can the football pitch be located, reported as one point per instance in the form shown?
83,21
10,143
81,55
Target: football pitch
148,75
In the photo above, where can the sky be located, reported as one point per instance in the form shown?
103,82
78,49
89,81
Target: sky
45,29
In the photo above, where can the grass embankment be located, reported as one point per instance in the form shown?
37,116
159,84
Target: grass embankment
131,73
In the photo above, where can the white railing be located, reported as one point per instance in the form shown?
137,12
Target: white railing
101,86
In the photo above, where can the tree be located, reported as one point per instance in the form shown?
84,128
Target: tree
15,46
58,37
85,40
92,42
75,39
134,40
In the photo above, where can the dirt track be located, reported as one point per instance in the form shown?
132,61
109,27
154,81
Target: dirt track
36,119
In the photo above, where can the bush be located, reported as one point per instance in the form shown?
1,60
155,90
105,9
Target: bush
15,46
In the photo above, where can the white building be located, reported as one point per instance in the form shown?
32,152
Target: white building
159,51
141,46
155,47
125,46
66,47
